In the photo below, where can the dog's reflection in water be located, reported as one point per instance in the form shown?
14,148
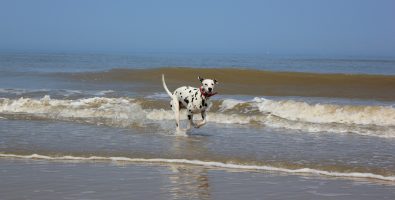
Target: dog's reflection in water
189,182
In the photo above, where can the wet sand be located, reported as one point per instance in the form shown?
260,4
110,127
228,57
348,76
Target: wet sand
37,179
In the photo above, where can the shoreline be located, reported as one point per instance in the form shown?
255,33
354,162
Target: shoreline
208,164
38,180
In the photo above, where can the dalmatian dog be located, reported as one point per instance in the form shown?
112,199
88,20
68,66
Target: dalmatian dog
194,100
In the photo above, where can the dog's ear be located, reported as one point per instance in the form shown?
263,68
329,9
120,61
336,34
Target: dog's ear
215,81
200,79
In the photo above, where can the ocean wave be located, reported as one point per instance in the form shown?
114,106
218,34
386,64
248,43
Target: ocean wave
18,91
255,82
319,113
370,120
100,110
53,92
206,164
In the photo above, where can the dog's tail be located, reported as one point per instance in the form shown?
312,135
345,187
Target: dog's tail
164,86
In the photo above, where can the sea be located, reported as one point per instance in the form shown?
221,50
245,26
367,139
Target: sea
99,126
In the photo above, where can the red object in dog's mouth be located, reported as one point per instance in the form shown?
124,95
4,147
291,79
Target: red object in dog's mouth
207,94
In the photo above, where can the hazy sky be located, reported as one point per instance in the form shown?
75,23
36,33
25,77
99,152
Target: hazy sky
290,27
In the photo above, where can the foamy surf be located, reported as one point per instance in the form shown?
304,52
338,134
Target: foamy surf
328,113
100,110
205,164
370,120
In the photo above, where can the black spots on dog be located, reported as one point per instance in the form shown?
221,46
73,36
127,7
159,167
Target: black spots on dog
186,100
189,117
181,105
200,106
189,110
196,99
203,103
196,94
202,116
176,124
171,106
190,91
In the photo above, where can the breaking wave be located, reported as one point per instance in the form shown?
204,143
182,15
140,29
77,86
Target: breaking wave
206,164
99,110
371,120
255,82
61,93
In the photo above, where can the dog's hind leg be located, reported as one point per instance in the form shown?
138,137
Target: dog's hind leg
190,118
176,108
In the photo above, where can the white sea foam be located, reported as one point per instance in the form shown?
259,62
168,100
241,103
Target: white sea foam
57,92
328,113
229,104
206,164
66,92
18,91
161,114
286,114
118,111
158,96
103,92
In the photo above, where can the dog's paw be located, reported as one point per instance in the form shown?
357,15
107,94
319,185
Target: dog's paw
181,132
196,125
199,125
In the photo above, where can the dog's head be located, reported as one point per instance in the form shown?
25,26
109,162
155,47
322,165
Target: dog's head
208,84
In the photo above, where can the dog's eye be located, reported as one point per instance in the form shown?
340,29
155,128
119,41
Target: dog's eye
205,84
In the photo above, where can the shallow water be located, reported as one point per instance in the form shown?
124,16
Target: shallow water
231,146
70,180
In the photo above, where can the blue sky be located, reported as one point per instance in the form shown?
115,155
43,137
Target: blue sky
284,27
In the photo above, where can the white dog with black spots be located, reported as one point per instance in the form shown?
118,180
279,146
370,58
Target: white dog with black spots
194,100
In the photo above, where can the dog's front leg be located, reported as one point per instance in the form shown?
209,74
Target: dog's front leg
203,122
190,118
